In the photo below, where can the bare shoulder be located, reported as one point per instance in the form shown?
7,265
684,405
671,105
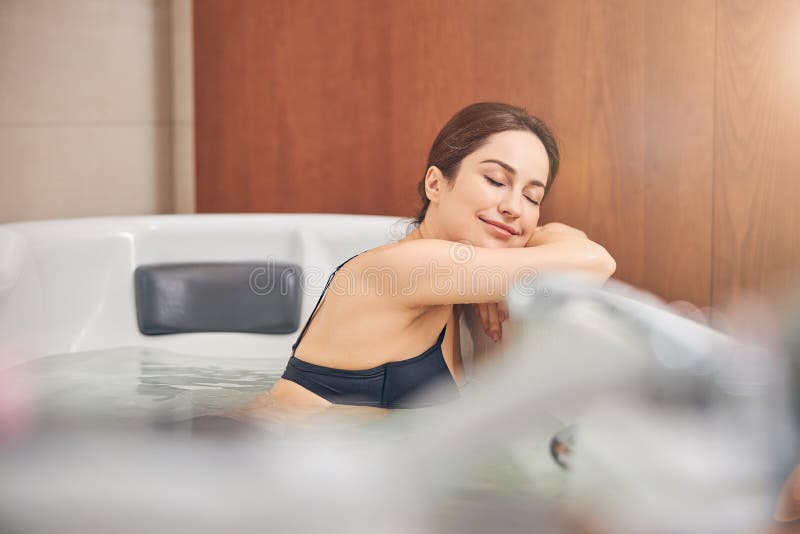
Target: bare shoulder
372,282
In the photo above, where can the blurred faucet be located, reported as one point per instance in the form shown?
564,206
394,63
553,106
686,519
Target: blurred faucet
678,427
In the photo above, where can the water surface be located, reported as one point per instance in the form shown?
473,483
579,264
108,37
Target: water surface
144,384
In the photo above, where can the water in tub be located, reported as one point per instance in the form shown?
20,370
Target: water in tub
140,384
152,386
643,408
146,388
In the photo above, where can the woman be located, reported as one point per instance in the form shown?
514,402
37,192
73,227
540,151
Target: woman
387,326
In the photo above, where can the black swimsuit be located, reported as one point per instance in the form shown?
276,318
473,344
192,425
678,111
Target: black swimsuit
400,384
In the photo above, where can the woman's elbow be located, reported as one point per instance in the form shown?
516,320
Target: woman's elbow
601,262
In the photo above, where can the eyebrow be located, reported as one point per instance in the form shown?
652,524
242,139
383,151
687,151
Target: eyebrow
512,170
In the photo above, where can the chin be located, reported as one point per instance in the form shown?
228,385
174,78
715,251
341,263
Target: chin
489,242
493,243
480,238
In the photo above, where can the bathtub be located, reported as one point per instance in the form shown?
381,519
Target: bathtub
67,286
68,310
68,317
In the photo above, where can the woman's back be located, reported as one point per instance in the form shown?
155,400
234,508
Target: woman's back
361,347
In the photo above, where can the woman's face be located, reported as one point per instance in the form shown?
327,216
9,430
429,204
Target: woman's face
500,184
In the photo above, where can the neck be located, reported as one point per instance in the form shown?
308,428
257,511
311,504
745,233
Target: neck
426,230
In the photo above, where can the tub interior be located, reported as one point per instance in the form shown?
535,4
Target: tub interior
67,286
141,385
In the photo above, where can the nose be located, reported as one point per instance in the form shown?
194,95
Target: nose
511,204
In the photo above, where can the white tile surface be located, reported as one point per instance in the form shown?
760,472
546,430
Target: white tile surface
81,171
85,61
182,62
183,165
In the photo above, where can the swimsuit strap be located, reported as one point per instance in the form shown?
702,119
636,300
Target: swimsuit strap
316,306
441,335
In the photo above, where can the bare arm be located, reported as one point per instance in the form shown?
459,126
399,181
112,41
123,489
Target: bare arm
492,314
558,232
562,228
435,272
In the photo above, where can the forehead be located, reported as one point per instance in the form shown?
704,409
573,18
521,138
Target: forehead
520,149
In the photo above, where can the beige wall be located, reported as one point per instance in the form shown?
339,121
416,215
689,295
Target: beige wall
182,107
89,124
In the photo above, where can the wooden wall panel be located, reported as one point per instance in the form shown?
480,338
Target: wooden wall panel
290,100
446,55
757,169
332,107
599,112
222,144
679,156
633,107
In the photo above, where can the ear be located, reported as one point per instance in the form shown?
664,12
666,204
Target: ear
435,182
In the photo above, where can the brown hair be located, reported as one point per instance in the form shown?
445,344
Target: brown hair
470,128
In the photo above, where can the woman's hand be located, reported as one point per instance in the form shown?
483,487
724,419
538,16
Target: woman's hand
492,315
559,232
554,231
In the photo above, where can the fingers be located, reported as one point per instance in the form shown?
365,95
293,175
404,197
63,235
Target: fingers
483,313
502,310
495,329
492,315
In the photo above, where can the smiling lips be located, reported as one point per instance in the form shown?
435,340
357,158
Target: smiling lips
500,229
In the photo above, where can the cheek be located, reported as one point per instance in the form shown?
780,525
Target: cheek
530,224
532,221
481,194
469,201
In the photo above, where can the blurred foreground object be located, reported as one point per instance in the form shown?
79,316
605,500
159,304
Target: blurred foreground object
789,502
678,429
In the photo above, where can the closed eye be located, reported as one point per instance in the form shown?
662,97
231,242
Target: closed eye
498,184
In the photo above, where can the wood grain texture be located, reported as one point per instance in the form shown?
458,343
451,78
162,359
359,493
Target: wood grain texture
633,108
599,112
290,106
449,54
332,107
679,159
757,161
